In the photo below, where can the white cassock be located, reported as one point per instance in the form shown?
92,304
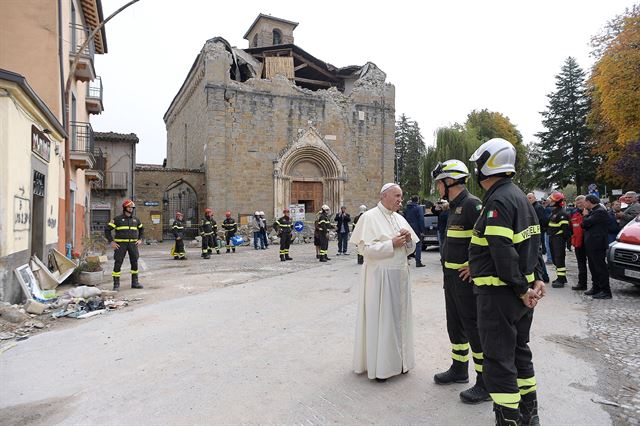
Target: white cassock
384,327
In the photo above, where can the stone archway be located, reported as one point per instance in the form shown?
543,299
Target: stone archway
180,196
308,168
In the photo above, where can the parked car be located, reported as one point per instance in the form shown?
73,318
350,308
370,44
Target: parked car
430,237
624,254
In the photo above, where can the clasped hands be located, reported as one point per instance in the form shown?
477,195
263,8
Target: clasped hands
402,239
533,295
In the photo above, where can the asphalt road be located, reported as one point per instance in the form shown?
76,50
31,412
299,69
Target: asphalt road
274,350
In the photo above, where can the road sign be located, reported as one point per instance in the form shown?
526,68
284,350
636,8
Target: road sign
298,226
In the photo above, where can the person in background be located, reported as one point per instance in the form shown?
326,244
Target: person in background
263,230
283,227
559,233
577,241
441,209
178,233
343,218
631,211
614,223
230,228
256,225
547,214
361,210
595,224
539,208
414,214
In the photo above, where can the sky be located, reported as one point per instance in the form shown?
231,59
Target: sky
445,58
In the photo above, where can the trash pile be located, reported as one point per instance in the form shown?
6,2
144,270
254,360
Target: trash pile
44,305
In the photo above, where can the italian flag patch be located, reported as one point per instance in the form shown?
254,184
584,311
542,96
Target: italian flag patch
492,214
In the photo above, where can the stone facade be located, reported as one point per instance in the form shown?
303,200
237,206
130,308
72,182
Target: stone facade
152,184
258,139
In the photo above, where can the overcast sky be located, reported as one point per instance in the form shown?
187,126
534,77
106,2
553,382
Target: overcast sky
445,58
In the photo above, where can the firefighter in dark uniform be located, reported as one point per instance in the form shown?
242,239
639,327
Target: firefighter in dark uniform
129,232
460,302
503,259
559,230
324,225
178,234
208,230
283,228
230,228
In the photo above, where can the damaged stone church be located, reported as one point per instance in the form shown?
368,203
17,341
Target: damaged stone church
271,125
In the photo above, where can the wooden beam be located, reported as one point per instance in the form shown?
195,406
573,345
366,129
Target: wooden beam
316,82
299,67
314,66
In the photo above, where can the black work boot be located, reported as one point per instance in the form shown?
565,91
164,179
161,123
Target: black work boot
579,287
323,258
360,259
282,259
228,251
475,394
507,416
134,281
590,292
286,257
457,373
529,408
116,283
233,249
557,284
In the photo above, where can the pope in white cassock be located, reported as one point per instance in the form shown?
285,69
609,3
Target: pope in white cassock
384,327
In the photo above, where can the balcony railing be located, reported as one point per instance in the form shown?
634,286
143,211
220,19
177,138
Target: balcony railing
78,36
116,180
94,96
84,68
81,137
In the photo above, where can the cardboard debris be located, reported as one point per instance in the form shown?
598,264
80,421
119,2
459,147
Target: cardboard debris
62,269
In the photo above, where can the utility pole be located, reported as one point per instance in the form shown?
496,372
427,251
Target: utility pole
67,124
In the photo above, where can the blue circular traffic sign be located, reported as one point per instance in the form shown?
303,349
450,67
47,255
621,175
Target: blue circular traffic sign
298,226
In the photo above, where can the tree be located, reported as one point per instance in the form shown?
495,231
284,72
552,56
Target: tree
415,150
454,142
402,135
566,151
615,88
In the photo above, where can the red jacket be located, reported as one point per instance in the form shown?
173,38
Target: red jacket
577,236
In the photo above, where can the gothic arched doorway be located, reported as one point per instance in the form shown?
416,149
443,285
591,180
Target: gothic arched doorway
180,197
308,172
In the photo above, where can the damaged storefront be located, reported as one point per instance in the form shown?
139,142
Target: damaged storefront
31,141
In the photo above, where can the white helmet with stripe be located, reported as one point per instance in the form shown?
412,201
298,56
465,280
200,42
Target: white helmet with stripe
454,169
495,157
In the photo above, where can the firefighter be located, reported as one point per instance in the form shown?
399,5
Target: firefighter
178,234
460,302
230,228
129,232
283,228
361,209
323,227
503,260
208,229
559,234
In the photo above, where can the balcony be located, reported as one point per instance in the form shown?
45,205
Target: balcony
94,96
96,174
113,181
85,70
82,156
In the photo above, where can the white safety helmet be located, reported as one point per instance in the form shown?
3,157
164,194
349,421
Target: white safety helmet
454,169
495,157
261,213
257,213
325,208
362,208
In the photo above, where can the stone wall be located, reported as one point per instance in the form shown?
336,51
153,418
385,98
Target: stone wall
250,124
151,183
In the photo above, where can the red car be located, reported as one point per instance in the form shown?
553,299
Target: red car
624,254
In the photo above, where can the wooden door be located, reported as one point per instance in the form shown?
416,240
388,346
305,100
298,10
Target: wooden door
307,193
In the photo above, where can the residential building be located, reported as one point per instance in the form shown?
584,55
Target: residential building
39,41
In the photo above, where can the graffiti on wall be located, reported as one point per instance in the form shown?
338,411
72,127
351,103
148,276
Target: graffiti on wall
21,213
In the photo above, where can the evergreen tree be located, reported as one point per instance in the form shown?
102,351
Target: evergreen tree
402,135
415,150
564,145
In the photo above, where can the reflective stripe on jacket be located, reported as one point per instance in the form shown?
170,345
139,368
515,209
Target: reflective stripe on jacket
506,238
463,213
128,229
